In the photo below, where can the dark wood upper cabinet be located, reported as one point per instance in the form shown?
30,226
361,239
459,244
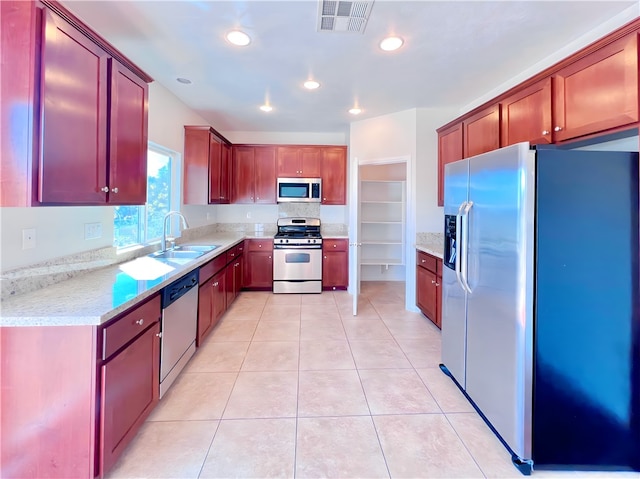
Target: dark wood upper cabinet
299,161
254,168
81,135
128,136
449,150
334,175
590,93
73,102
482,131
597,92
243,174
526,115
206,166
265,174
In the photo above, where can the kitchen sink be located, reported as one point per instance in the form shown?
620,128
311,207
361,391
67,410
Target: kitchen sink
183,253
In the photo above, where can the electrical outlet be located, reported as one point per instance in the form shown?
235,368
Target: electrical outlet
29,238
92,231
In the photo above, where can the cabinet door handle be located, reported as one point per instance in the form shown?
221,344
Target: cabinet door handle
105,189
335,246
140,321
557,128
215,284
545,132
325,257
259,246
114,190
159,335
423,261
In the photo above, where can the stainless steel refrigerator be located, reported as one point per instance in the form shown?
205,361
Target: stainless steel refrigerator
541,293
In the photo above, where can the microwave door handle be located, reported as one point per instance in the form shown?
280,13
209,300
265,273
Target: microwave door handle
464,263
459,244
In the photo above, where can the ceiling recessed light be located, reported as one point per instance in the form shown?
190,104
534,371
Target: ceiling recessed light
238,38
186,81
390,44
311,84
355,111
266,108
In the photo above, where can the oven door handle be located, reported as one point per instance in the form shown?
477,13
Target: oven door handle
297,247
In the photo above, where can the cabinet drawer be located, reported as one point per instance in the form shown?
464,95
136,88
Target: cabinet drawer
132,323
427,261
335,244
259,245
212,267
235,251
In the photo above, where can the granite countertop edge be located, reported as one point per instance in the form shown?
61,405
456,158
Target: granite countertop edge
88,299
432,249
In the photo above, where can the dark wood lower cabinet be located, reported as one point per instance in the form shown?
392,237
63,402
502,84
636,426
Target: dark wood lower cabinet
76,395
212,303
428,286
130,391
258,265
335,263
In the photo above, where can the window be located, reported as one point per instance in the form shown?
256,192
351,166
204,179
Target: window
133,225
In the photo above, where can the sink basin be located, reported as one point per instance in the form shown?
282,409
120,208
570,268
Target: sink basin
176,254
182,254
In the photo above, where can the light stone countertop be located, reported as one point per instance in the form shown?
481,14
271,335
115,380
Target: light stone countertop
434,249
431,243
101,294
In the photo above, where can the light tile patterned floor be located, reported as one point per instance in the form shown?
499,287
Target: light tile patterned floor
296,386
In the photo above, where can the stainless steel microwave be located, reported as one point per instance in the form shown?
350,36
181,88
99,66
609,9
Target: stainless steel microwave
299,190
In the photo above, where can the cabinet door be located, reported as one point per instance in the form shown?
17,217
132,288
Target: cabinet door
482,132
449,150
128,137
73,153
218,297
427,293
288,162
238,276
265,174
243,169
335,270
258,270
215,169
225,175
526,115
310,161
196,166
130,390
205,310
334,176
598,92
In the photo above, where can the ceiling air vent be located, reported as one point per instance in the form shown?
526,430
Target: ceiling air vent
343,16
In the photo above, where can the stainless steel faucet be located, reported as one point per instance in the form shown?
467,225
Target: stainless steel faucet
185,225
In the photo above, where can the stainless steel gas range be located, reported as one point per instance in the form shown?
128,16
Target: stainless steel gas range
297,256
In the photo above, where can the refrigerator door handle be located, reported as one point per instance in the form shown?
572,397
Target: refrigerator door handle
458,244
464,247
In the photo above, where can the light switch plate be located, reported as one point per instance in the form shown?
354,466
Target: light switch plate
28,238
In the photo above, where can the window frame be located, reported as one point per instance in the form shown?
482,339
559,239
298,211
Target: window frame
175,183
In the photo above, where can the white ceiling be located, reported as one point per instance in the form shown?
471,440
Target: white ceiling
454,53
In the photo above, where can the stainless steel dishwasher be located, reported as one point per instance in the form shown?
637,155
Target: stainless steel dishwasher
179,325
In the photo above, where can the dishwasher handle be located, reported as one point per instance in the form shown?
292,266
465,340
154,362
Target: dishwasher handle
179,288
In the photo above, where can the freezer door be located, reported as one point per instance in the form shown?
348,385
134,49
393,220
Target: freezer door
499,304
454,311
